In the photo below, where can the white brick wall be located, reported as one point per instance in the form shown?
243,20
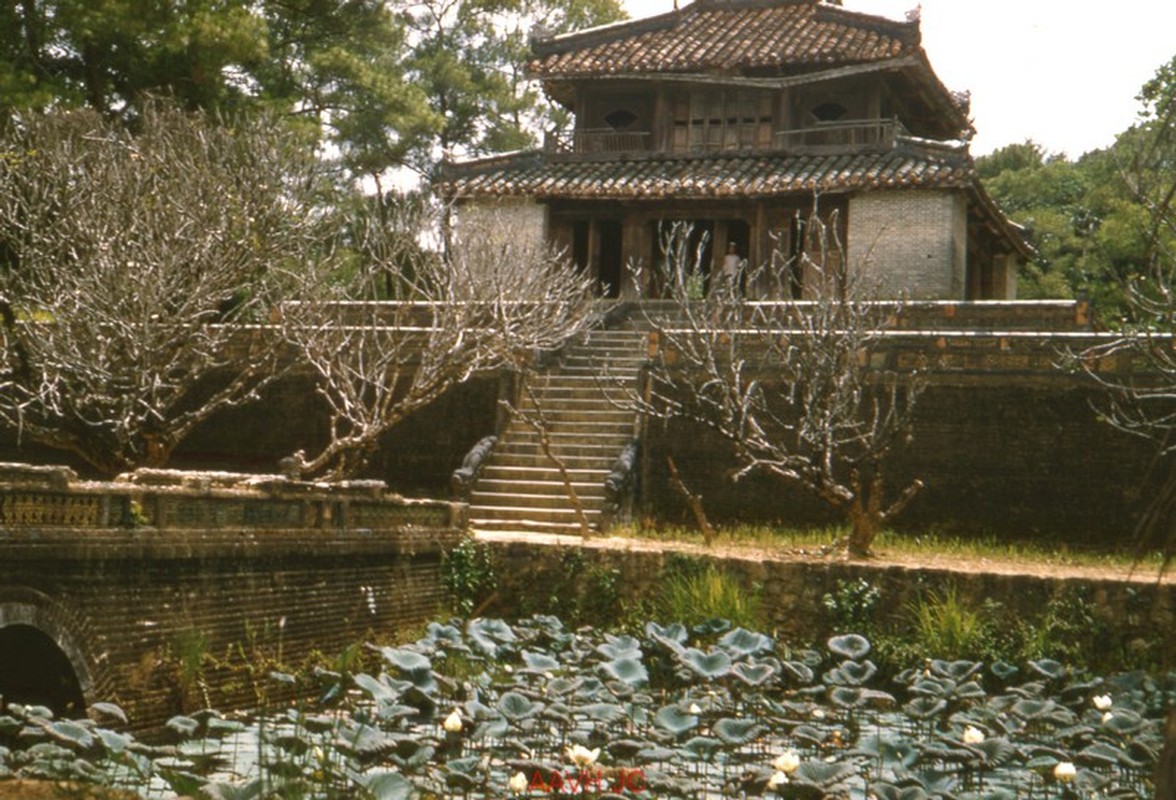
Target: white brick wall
518,219
913,241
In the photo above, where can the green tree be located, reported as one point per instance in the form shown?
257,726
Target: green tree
469,58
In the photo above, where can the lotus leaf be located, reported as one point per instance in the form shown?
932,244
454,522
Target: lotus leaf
1048,668
625,749
956,670
1004,671
184,726
540,662
737,731
808,735
619,647
674,720
799,671
516,707
561,686
385,785
712,626
714,664
367,742
1033,709
407,661
113,741
850,645
888,748
1123,723
672,634
925,707
491,729
995,751
851,673
603,712
656,754
822,776
629,671
1099,754
72,733
753,674
743,642
888,791
703,747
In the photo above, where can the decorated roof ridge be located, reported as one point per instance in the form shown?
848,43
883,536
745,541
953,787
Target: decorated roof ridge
909,30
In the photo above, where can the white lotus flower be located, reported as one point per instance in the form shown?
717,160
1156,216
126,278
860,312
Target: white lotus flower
517,783
1064,772
694,709
452,723
581,756
1102,702
1107,717
973,735
777,780
786,762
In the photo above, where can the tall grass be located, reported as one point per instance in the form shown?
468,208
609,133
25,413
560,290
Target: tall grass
696,596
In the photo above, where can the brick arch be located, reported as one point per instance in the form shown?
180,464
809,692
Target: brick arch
68,629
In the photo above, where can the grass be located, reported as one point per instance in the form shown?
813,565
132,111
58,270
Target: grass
899,545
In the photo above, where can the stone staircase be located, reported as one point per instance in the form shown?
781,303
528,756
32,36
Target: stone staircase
520,488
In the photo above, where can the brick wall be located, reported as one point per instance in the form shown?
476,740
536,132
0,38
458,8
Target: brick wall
896,235
1014,458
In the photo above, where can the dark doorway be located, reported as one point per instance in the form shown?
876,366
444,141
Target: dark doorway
580,232
608,278
34,670
795,266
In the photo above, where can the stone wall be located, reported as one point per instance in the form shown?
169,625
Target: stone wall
1018,460
178,591
1134,618
895,235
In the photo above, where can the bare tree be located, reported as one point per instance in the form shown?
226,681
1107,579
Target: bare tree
493,303
135,269
787,383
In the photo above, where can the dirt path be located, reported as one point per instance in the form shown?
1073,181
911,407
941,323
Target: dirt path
942,561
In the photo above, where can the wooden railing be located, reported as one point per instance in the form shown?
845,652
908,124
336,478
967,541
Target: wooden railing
590,141
842,134
823,137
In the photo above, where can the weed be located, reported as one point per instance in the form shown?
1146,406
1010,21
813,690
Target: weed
851,606
942,623
694,594
468,573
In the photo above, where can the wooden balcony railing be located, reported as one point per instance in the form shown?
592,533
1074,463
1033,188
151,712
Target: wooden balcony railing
824,137
841,135
595,141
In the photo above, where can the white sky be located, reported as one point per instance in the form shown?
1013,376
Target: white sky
1064,73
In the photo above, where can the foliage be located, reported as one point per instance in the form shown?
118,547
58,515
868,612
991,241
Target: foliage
943,623
694,592
385,84
852,605
133,269
729,717
469,575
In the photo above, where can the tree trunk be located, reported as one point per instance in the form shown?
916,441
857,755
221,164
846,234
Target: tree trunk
865,528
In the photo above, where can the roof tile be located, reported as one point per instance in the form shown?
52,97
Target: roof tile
696,178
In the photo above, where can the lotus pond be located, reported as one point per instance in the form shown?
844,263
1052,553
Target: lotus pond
487,709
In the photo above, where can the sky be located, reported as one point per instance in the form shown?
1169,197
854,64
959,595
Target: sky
1064,73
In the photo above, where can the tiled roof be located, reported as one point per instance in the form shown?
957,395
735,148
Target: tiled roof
716,177
726,35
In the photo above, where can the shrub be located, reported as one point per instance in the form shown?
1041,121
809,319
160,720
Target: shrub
694,594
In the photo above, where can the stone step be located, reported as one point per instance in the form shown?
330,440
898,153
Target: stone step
539,502
527,526
534,457
556,487
560,515
582,411
542,474
561,428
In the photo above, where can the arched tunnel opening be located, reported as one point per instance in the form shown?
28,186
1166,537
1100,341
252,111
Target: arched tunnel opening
35,671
